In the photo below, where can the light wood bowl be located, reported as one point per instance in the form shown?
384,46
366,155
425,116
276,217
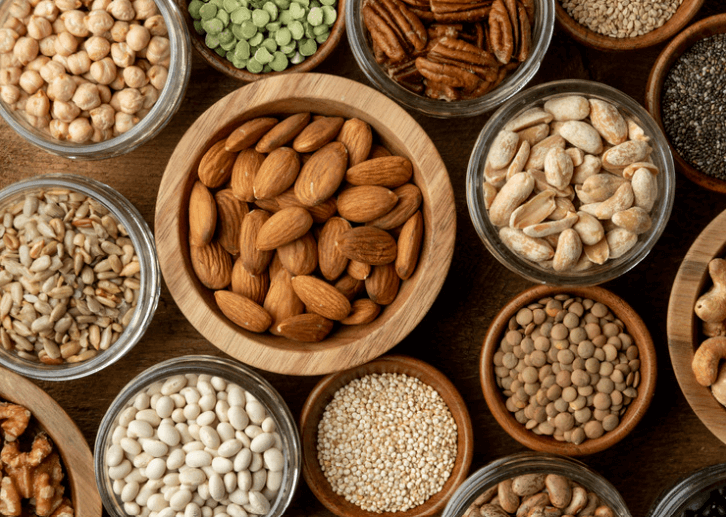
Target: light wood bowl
347,346
684,327
592,39
74,451
221,64
654,89
322,394
637,408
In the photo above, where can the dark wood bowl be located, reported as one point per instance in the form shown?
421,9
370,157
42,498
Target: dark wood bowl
654,89
592,39
684,327
323,393
221,64
637,408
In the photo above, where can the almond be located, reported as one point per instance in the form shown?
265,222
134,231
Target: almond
322,174
308,328
275,266
357,137
230,213
282,133
349,286
243,311
382,285
255,261
277,173
299,257
212,265
202,215
285,226
386,171
248,133
365,203
252,286
269,205
281,301
409,200
358,270
317,134
244,170
361,312
320,297
320,213
368,244
378,151
332,261
216,166
409,245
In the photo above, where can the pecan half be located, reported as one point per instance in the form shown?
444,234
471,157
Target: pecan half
423,13
441,91
500,32
396,30
450,75
444,30
511,6
459,50
529,7
471,15
525,35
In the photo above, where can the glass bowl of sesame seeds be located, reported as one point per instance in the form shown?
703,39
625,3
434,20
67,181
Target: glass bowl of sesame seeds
79,277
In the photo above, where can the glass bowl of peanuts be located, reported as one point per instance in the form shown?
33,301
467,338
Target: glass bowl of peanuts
449,59
570,182
91,80
538,482
250,455
79,282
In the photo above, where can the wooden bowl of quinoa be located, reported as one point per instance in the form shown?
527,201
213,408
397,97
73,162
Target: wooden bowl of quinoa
422,416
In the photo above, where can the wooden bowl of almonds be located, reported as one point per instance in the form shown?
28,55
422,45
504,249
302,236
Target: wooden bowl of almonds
343,246
568,370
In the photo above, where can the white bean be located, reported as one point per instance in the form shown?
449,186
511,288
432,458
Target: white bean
258,504
273,460
140,429
219,383
229,448
127,416
156,468
173,385
268,425
148,415
274,480
180,499
176,459
132,508
193,477
244,481
192,510
130,492
222,465
165,406
230,482
236,396
207,402
199,459
221,408
157,503
130,446
253,431
255,411
114,456
206,418
225,431
209,437
262,442
191,395
120,471
238,417
156,448
193,446
216,487
239,496
169,435
171,479
259,479
242,460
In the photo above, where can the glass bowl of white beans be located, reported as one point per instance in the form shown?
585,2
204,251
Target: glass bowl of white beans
91,82
193,434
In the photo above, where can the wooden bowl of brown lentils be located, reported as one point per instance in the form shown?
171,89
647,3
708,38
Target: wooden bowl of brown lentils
568,370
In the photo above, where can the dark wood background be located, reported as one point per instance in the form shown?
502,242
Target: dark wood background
670,441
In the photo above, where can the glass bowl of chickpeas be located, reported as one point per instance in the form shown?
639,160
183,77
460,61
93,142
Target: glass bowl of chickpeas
91,79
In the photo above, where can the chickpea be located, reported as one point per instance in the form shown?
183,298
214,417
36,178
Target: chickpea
80,131
134,77
124,122
98,22
158,75
87,97
145,9
103,117
37,122
65,111
142,113
9,93
156,25
97,48
30,81
141,54
130,100
104,92
68,5
8,37
17,25
38,63
101,135
121,10
26,49
61,89
46,46
47,10
114,102
119,83
38,104
122,55
10,75
119,31
22,100
51,70
39,27
58,129
81,79
100,4
63,60
79,63
138,37
151,95
158,50
74,23
20,8
104,71
8,60
66,44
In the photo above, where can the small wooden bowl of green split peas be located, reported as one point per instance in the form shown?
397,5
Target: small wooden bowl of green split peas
254,39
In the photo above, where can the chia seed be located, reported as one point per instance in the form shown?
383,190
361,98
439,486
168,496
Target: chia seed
692,106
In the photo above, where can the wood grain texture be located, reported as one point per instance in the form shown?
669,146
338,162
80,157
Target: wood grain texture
656,80
347,346
323,393
75,454
684,335
637,408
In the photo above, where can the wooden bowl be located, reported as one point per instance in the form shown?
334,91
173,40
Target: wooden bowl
221,64
654,89
684,327
322,394
74,451
592,39
345,347
637,408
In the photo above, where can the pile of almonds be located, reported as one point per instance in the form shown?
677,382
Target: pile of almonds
333,216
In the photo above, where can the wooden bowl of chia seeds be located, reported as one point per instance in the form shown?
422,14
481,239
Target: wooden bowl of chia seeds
588,37
688,108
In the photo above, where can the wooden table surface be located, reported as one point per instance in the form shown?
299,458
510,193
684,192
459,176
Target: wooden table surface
670,441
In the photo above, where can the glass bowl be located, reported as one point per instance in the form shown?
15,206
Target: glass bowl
230,371
533,463
690,492
661,157
359,43
148,127
149,291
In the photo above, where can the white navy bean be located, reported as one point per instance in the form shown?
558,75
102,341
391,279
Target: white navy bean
229,448
262,442
278,441
222,465
192,510
234,510
192,476
118,486
142,401
216,487
118,433
206,418
131,446
171,479
142,460
236,396
180,500
218,383
130,491
178,400
192,411
274,480
165,407
157,503
273,460
114,455
255,411
244,481
238,417
132,508
156,468
120,471
169,435
258,503
191,395
139,429
242,460
253,431
221,409
225,431
268,425
148,415
178,415
198,459
193,446
207,402
173,385
239,496
230,482
156,448
242,437
209,437
127,416
259,479
176,459
136,476
257,462
194,430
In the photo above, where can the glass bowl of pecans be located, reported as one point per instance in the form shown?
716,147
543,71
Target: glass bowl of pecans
570,183
450,59
79,277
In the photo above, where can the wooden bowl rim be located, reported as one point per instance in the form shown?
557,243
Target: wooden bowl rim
323,392
685,12
336,353
654,90
222,65
636,409
688,286
70,443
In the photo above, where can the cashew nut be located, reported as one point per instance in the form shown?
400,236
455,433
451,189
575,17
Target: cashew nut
706,359
712,305
718,388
